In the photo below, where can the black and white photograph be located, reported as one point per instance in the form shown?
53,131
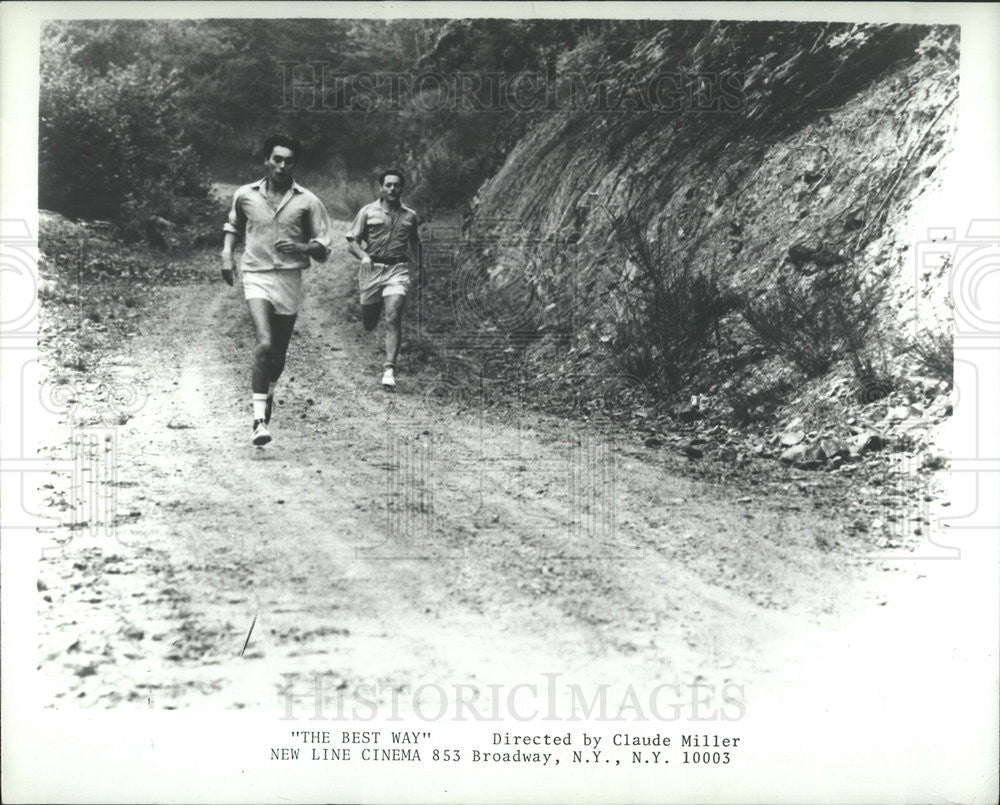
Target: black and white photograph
524,402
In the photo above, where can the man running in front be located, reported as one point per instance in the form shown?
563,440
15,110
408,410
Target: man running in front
283,225
384,238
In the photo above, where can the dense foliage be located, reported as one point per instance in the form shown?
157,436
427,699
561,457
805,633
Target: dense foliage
136,115
111,143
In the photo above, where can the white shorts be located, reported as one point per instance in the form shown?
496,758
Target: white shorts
383,280
281,287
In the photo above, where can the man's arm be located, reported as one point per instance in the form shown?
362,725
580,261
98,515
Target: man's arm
228,261
317,251
234,226
414,243
321,240
354,237
355,248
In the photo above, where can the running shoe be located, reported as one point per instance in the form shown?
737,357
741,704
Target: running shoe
260,434
389,378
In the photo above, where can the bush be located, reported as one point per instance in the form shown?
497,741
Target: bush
874,378
814,321
934,353
111,145
668,314
791,323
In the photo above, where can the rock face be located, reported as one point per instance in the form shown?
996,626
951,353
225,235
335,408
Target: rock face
699,159
793,170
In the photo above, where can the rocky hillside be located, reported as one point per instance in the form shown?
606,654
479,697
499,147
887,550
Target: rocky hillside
782,166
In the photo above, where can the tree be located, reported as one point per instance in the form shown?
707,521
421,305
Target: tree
111,143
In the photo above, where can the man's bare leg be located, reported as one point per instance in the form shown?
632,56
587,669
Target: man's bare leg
281,335
393,335
370,314
282,327
273,334
394,326
261,313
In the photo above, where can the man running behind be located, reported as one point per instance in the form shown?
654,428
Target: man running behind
284,225
384,238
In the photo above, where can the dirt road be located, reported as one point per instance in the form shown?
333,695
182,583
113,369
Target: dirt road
403,541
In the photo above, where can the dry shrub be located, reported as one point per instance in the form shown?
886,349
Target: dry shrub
669,314
813,321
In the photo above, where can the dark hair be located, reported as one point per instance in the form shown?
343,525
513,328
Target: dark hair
280,140
391,172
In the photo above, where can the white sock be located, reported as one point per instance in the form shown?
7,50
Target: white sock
259,405
270,388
